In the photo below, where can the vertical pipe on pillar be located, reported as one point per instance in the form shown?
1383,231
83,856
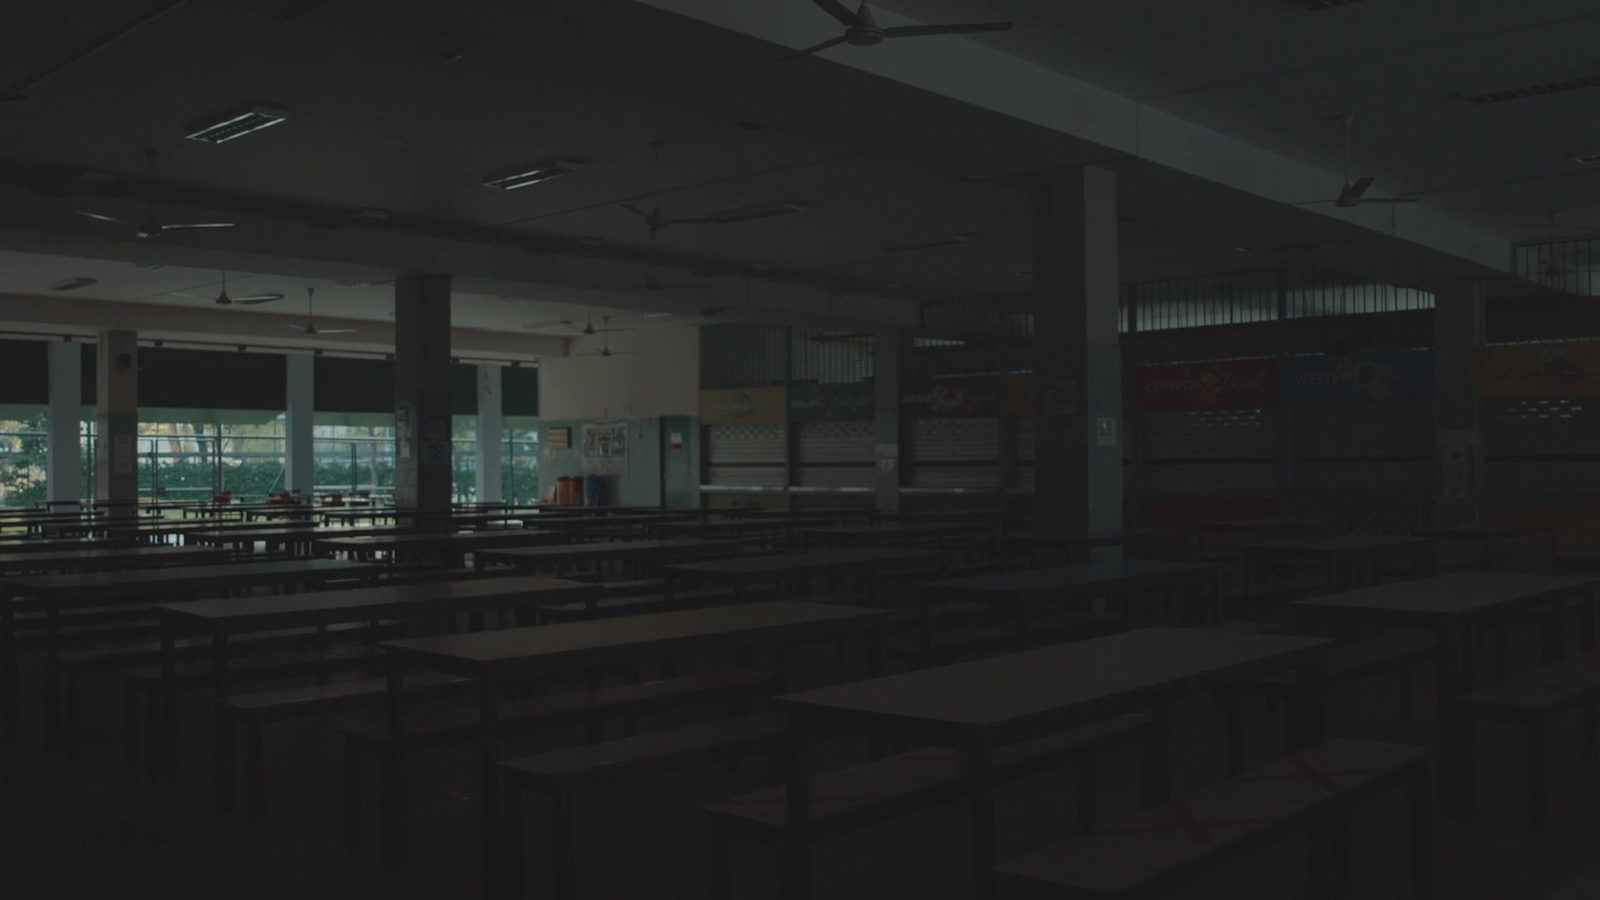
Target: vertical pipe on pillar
890,350
117,423
299,432
63,424
1458,332
422,478
1133,433
490,430
787,362
1285,400
1006,469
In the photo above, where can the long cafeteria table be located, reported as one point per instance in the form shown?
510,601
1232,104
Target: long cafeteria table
453,545
558,559
221,619
494,657
105,559
788,570
55,592
980,707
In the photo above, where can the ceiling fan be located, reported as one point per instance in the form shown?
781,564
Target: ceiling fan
656,220
151,226
310,329
861,30
605,342
222,298
565,324
654,284
1354,192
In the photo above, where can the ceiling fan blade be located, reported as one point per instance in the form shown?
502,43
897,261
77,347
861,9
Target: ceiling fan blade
1389,200
677,287
636,210
839,11
254,299
612,330
303,329
191,296
333,331
816,49
752,213
540,326
906,31
165,227
1352,192
951,241
99,217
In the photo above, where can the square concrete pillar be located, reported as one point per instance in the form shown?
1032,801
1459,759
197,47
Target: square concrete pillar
300,462
491,433
64,447
116,461
891,355
1457,335
422,393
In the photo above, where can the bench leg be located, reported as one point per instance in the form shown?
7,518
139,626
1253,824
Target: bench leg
1088,791
563,871
721,863
131,726
394,831
513,870
794,869
154,751
352,796
1154,772
1422,834
1233,711
225,758
1405,694
1339,855
1591,730
1465,768
254,774
1538,781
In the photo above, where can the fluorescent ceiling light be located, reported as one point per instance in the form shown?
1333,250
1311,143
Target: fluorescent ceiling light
1504,93
526,176
237,124
761,211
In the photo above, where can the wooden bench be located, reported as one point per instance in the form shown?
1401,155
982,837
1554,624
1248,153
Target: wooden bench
1396,651
957,644
849,798
252,711
1166,848
560,773
433,730
632,605
1531,700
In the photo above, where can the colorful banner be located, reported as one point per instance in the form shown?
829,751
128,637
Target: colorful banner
605,448
742,406
830,402
1539,370
1379,376
1210,385
951,398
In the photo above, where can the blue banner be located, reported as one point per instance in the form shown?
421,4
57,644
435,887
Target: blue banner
1376,376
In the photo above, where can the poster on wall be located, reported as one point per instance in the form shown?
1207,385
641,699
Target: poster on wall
742,406
1209,385
1380,376
1540,370
605,448
955,397
830,402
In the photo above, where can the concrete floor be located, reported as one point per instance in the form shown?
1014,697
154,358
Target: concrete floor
78,825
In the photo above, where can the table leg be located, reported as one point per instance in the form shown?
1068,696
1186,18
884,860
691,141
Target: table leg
1586,630
394,829
980,771
1451,724
225,776
794,857
9,694
52,672
488,759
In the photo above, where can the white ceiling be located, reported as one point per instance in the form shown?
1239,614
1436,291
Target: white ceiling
653,103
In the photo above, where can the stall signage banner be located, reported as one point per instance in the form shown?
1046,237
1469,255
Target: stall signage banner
742,406
951,398
830,402
1569,369
1372,377
605,448
1209,385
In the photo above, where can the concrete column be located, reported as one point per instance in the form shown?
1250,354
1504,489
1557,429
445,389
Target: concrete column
116,462
64,447
491,434
300,459
891,354
1077,363
422,392
1457,335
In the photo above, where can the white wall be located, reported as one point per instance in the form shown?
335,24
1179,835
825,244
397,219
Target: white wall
656,372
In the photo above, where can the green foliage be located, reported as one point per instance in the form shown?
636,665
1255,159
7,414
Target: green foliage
22,470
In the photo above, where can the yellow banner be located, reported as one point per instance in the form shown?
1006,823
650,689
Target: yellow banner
1539,370
742,406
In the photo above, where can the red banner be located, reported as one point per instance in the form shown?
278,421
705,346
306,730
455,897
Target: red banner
1211,385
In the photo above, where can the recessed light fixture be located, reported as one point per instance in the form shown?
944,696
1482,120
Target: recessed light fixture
72,284
529,175
1505,93
237,124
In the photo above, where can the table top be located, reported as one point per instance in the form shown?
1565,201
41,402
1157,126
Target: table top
1482,532
260,532
1013,689
1260,525
1102,539
1100,573
181,577
325,605
438,539
894,528
820,561
617,549
1344,543
100,554
554,644
1461,593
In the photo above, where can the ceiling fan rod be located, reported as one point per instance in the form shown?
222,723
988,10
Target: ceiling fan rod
15,90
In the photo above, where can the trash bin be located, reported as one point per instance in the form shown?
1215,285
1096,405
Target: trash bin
593,490
564,490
